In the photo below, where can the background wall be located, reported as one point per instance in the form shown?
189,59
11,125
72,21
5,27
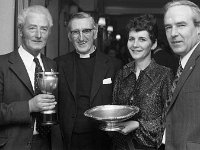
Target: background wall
116,12
7,8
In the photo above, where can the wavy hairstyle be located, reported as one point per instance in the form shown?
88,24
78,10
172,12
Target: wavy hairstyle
34,9
145,22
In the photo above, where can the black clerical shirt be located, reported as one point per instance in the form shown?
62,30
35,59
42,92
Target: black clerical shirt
84,76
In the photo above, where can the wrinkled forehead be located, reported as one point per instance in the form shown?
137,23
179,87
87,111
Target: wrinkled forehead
81,23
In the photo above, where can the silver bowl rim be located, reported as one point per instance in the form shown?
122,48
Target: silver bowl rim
135,110
48,73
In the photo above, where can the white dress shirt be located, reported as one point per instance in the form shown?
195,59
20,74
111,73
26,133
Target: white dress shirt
30,65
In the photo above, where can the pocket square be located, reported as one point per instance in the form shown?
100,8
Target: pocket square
107,81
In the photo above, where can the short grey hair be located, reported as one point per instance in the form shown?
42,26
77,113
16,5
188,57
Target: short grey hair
81,15
34,9
195,9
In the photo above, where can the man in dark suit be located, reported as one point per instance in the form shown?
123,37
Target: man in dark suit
18,97
86,77
182,25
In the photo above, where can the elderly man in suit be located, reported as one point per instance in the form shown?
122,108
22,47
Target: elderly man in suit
20,101
86,76
182,25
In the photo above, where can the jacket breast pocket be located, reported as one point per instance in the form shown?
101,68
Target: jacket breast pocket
192,146
3,142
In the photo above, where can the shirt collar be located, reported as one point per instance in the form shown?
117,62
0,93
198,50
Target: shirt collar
185,59
148,70
27,57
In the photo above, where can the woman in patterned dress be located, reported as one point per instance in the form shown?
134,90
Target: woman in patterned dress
145,84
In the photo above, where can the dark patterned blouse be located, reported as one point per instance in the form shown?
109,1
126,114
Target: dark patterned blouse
149,92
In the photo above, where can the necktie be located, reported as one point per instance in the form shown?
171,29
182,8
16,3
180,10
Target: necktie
43,130
178,74
38,69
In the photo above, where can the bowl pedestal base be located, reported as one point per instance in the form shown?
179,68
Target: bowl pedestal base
110,126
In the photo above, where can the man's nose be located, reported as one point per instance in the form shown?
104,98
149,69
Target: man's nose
81,35
38,34
174,31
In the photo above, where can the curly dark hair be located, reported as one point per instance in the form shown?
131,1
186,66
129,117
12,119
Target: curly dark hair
145,22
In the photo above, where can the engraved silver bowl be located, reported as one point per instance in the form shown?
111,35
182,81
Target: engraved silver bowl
109,115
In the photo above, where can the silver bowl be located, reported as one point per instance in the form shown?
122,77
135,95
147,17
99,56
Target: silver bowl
109,115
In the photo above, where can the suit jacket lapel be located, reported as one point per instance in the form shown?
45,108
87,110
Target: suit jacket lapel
70,73
185,74
18,67
100,70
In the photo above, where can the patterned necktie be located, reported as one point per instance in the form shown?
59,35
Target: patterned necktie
43,130
174,84
38,69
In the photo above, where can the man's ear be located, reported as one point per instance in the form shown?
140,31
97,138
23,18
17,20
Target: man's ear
20,32
95,32
198,31
154,45
69,36
49,31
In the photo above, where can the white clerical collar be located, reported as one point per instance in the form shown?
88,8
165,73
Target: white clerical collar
86,55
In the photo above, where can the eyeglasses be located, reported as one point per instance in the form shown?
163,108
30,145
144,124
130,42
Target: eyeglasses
85,32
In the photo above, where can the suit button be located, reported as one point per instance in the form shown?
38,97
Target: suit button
73,115
29,144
